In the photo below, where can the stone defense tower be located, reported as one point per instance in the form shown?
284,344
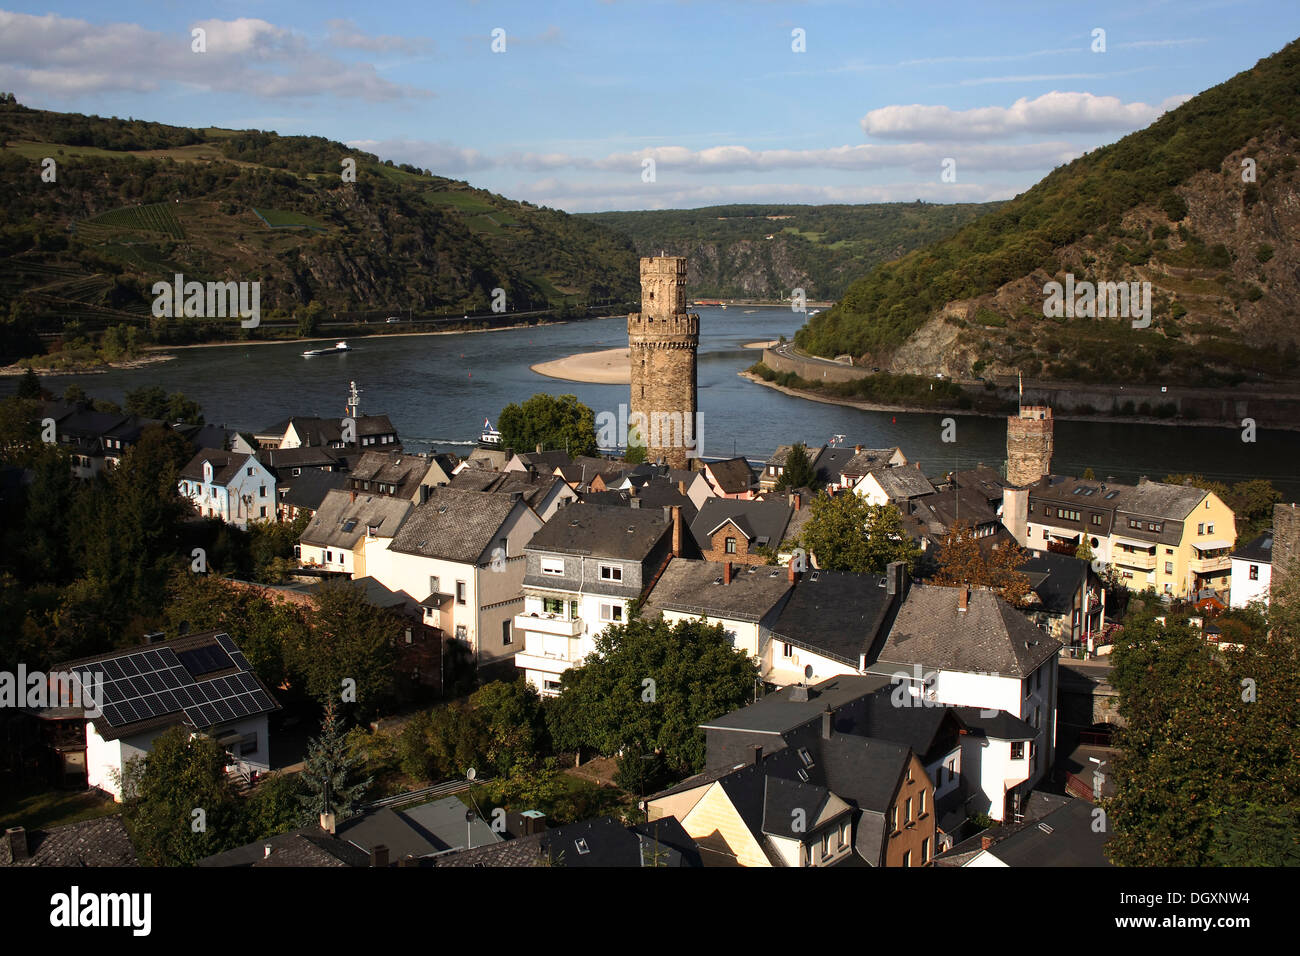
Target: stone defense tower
1029,444
662,341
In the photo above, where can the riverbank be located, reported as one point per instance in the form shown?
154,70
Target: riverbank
139,362
976,413
346,338
762,345
606,367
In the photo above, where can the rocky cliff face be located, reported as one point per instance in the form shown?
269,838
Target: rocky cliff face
1224,274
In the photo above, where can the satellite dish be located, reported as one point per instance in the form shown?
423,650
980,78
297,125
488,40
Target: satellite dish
807,672
471,773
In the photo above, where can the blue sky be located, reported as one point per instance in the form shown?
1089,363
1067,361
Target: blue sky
714,92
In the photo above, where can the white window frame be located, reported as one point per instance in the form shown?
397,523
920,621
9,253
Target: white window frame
611,613
553,566
611,572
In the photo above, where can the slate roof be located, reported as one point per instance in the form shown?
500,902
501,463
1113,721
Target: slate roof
602,531
983,480
782,798
902,481
783,451
1258,549
777,713
990,637
998,726
694,587
654,494
836,614
340,510
525,851
869,459
585,468
943,509
533,486
309,846
99,842
391,468
762,522
454,525
314,456
545,461
830,463
309,489
1064,837
324,431
605,842
225,465
1056,579
733,475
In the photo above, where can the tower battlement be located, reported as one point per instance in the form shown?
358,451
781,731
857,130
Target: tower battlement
1029,444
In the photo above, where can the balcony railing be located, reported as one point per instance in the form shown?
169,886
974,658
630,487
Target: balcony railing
1132,559
1210,565
556,624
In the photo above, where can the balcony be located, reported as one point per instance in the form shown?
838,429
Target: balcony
1211,565
555,624
1139,560
547,663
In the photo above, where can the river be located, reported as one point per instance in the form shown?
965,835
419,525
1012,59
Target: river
437,389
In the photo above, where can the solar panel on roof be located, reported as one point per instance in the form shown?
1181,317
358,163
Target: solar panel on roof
128,666
224,640
111,670
222,687
154,660
247,682
113,714
169,702
169,679
263,701
128,712
112,692
239,705
224,710
145,707
169,657
155,682
205,660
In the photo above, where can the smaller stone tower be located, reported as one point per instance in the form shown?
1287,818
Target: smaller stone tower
1029,444
1286,539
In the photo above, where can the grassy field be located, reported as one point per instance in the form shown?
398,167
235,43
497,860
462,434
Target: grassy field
464,201
279,219
43,808
156,217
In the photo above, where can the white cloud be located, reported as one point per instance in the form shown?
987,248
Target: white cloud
1053,112
58,56
346,35
439,158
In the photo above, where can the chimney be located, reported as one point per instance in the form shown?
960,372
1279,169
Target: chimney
633,501
793,574
726,573
677,531
266,851
828,723
327,822
857,449
16,837
379,856
539,448
797,501
424,493
353,496
963,599
986,843
896,579
757,757
681,488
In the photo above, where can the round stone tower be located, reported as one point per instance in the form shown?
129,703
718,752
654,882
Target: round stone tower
1029,444
662,341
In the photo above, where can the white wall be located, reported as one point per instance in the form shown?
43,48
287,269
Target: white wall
781,670
1244,590
742,635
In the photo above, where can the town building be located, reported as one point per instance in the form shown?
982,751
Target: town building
236,488
662,341
348,529
1252,571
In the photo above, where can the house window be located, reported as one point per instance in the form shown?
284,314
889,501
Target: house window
329,557
1017,750
1096,519
553,566
410,639
907,858
787,650
1044,534
610,572
826,844
461,632
261,492
553,606
731,546
910,818
1169,567
922,812
263,511
1254,572
434,584
893,818
1200,528
250,472
1209,528
925,851
1169,550
611,612
460,592
951,768
506,639
1047,511
502,546
1134,523
844,835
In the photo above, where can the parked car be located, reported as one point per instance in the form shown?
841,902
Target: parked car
392,319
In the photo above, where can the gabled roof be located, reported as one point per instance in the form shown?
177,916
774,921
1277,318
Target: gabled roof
585,468
762,522
830,463
401,469
225,465
903,481
202,680
943,509
606,842
344,518
869,459
983,480
836,614
784,799
544,461
308,846
1065,837
602,531
305,456
1056,579
694,587
779,712
989,637
454,525
733,476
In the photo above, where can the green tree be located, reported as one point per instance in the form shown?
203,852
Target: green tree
554,422
1089,474
845,533
29,386
152,401
963,562
162,792
512,724
647,687
347,639
1084,551
798,472
309,319
331,771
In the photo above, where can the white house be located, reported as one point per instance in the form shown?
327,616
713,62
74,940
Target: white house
1252,571
349,528
201,681
584,568
893,484
460,554
744,599
970,649
232,486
